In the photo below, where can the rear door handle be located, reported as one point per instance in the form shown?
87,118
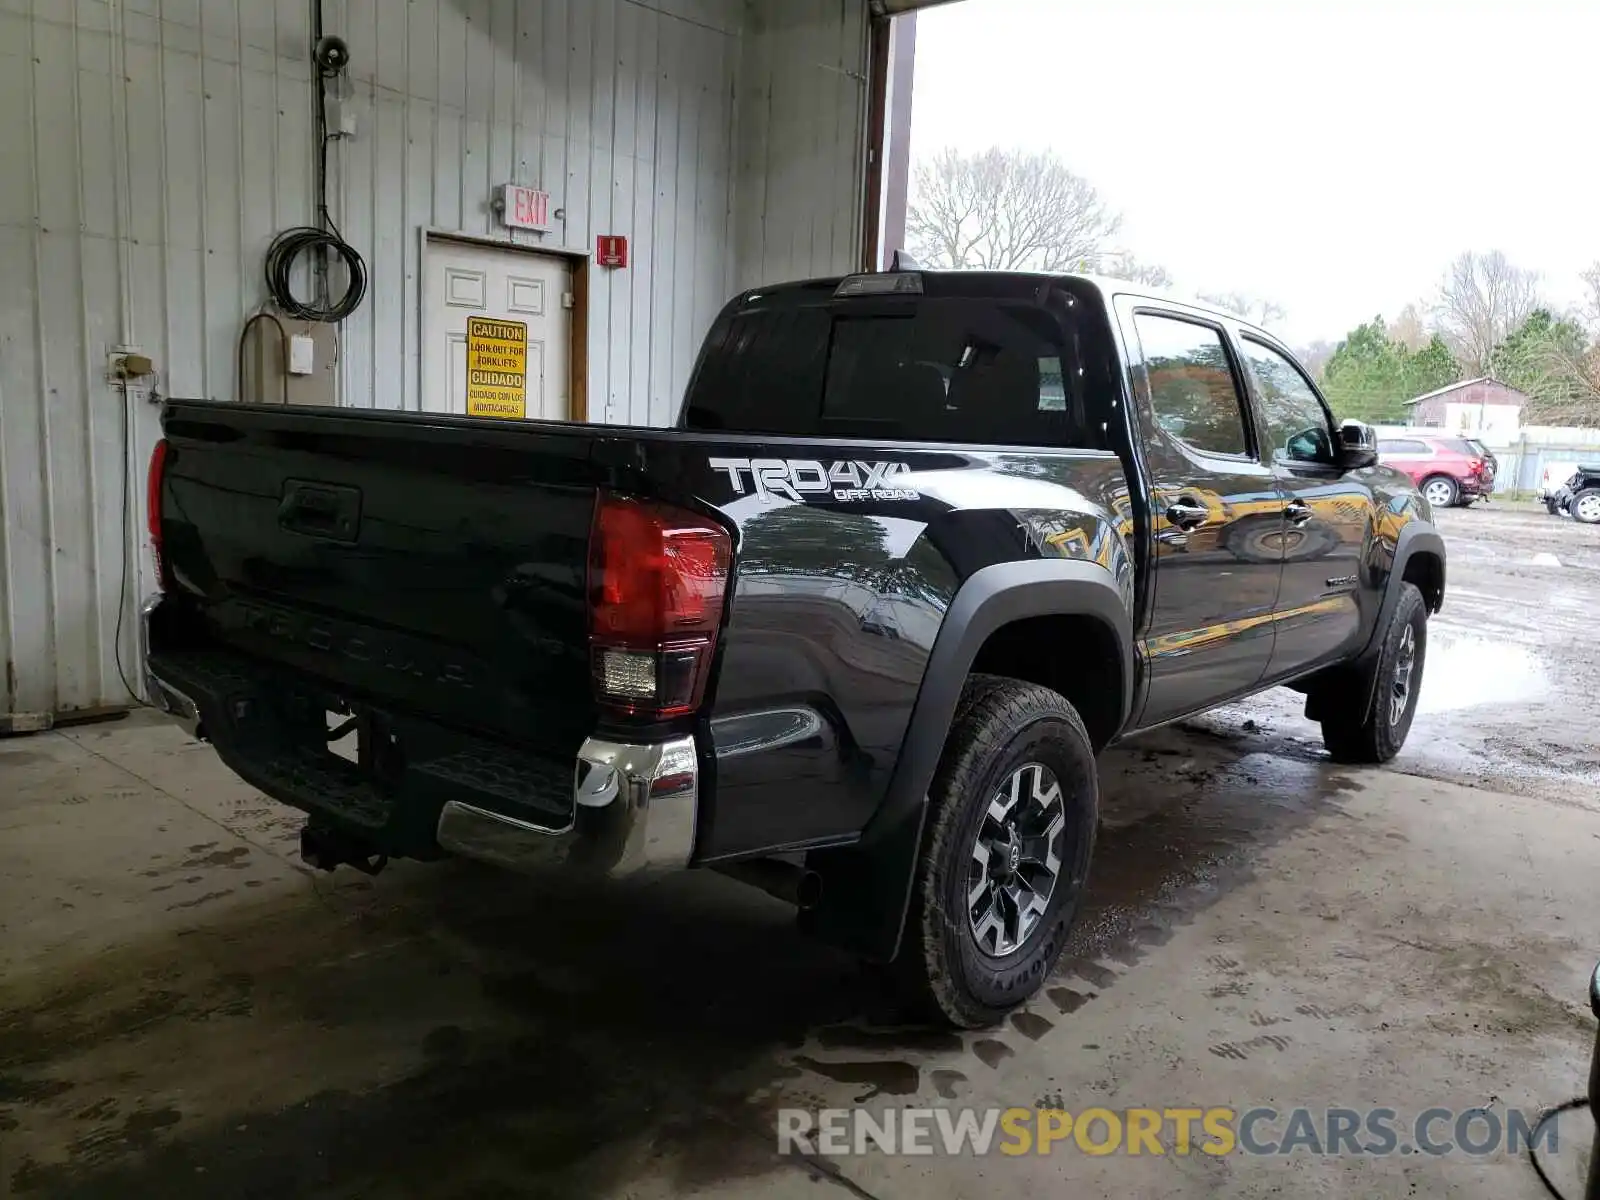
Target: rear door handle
1298,512
1187,513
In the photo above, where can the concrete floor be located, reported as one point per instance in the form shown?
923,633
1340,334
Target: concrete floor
185,1011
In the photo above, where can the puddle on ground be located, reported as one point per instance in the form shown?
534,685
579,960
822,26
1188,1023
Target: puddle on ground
1464,671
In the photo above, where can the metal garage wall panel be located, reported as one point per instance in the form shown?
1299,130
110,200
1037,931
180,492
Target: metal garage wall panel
153,147
802,119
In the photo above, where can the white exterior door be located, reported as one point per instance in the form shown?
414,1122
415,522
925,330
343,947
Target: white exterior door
518,298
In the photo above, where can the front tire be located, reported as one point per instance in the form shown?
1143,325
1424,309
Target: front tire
1013,811
1377,735
1440,491
1585,506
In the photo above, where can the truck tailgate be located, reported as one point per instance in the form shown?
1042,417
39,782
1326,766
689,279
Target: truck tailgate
423,565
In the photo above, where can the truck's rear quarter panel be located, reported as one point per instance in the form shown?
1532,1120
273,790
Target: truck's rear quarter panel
837,603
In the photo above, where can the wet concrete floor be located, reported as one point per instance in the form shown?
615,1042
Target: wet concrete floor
184,1011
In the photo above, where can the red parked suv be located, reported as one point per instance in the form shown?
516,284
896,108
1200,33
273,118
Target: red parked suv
1447,470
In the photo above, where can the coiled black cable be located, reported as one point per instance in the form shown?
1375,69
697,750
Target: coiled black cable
281,255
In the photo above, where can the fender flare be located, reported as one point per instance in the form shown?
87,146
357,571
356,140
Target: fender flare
867,887
1354,681
1416,537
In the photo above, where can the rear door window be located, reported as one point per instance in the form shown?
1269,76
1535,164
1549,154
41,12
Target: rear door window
1401,447
1193,392
937,370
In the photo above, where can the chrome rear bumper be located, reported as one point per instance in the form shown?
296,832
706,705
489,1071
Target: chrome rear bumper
634,812
161,694
634,805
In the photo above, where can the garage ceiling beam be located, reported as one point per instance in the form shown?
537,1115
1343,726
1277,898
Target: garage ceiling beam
892,8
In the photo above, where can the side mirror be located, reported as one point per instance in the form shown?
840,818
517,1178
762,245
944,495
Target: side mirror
1358,446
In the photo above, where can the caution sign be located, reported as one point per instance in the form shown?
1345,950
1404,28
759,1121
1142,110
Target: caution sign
497,368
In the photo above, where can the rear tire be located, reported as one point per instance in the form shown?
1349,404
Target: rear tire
1393,683
1585,506
1440,491
971,952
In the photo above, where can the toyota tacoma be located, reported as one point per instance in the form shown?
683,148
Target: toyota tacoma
920,545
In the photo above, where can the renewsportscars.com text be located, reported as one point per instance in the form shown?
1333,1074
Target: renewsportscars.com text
1159,1131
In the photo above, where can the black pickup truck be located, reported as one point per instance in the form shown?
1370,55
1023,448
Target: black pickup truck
920,545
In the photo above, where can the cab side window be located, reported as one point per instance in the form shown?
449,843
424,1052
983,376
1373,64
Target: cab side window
1192,388
1297,423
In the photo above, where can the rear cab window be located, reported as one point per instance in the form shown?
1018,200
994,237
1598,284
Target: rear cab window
943,367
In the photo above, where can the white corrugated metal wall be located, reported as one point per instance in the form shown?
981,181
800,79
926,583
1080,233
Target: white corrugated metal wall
801,167
149,150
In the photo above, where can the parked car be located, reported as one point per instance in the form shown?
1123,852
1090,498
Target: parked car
1552,478
1579,496
920,545
1448,470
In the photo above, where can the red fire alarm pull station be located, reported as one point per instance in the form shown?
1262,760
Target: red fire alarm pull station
611,250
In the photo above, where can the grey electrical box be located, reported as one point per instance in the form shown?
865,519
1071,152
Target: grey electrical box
305,357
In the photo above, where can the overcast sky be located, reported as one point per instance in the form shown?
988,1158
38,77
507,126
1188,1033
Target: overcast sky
1331,156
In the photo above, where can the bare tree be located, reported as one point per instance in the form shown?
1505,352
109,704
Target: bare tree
1252,308
1314,357
1409,329
1006,210
1126,266
1589,306
1481,300
1564,383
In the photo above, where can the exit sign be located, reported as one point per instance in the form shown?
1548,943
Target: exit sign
524,207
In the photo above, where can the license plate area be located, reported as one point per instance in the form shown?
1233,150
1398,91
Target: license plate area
342,745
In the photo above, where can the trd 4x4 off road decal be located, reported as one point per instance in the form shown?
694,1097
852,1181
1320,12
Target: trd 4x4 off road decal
797,478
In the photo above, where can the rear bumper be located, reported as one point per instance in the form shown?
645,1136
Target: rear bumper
165,696
617,809
634,811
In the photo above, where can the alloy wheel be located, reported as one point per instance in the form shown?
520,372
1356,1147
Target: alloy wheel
1405,662
1439,493
1016,860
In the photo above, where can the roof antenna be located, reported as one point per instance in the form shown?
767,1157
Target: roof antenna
901,261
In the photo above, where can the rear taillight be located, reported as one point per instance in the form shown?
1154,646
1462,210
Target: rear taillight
158,470
657,578
1475,465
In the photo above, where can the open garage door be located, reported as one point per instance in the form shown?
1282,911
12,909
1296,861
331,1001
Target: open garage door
892,53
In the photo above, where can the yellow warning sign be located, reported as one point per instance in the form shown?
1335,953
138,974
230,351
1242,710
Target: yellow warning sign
497,368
